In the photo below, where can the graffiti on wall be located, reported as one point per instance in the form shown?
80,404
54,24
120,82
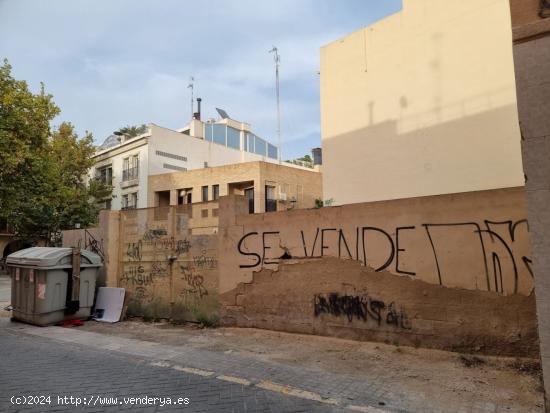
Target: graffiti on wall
205,261
93,244
159,263
135,275
194,283
361,308
134,251
496,249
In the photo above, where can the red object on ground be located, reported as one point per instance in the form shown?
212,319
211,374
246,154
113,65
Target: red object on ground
71,323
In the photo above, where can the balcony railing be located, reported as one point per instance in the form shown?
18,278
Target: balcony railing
129,174
105,180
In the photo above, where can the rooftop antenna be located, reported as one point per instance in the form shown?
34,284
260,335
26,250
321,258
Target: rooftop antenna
191,86
277,60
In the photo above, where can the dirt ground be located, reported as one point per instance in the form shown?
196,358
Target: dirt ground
413,370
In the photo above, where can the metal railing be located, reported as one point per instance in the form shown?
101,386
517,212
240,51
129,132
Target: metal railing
130,174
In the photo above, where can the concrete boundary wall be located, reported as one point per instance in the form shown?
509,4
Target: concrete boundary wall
305,296
168,261
475,240
449,271
165,258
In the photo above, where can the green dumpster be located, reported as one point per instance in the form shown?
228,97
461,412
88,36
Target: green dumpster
49,285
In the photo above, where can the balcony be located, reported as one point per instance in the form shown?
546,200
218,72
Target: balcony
130,177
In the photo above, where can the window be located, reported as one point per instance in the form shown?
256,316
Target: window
259,146
272,151
130,168
233,138
185,196
249,142
129,201
208,131
215,192
270,200
105,174
218,133
204,193
249,194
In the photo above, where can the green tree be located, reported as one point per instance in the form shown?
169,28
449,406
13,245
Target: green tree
24,132
43,184
132,131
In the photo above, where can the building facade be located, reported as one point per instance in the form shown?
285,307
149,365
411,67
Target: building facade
267,186
421,103
127,164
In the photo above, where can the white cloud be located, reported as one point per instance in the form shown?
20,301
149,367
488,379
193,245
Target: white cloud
111,63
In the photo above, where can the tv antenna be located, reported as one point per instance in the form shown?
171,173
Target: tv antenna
191,86
277,60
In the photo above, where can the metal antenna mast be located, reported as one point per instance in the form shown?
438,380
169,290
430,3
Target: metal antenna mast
191,86
277,60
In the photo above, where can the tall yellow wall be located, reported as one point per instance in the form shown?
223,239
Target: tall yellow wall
421,103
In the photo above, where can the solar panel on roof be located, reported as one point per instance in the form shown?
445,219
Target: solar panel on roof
222,113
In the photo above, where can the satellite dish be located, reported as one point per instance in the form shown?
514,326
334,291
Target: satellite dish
222,113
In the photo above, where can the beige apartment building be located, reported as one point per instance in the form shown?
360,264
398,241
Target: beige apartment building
420,103
267,186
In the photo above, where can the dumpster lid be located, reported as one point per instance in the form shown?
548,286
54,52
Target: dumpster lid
51,257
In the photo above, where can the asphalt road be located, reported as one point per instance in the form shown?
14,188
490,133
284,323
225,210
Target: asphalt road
47,373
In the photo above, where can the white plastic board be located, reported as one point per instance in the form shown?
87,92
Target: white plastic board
108,305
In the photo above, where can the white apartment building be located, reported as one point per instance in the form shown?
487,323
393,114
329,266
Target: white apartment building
126,163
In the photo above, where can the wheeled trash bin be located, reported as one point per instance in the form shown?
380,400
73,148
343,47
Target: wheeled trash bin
49,285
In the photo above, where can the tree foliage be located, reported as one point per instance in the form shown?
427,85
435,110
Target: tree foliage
43,185
132,131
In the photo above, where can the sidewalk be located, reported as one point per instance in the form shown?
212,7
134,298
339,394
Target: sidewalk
368,377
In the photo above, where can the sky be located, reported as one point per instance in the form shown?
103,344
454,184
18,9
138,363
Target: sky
112,63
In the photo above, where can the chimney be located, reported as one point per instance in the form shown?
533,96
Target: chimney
317,156
197,114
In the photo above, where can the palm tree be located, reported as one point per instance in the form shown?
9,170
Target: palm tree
131,131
